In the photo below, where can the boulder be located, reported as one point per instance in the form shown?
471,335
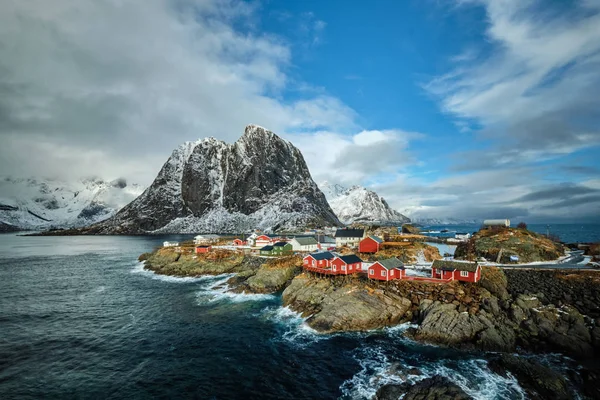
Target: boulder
437,387
334,306
539,381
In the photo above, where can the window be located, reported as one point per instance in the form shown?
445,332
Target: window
305,261
371,272
392,273
314,263
334,268
464,274
343,267
383,273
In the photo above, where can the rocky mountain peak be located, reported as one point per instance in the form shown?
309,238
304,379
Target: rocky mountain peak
260,181
358,204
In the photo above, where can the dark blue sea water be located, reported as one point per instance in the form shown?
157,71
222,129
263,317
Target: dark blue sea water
80,318
568,233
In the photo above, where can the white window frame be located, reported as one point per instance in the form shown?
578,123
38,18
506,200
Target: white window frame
392,273
334,268
343,267
464,274
314,262
371,272
383,273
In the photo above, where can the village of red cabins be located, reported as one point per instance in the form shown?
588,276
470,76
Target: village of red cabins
328,263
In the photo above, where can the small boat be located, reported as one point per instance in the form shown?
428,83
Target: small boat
444,231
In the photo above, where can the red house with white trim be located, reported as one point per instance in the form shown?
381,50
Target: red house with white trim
456,270
203,249
318,260
262,241
387,270
238,242
346,265
370,244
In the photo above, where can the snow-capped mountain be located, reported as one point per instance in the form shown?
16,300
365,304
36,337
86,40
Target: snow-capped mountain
47,203
260,181
358,204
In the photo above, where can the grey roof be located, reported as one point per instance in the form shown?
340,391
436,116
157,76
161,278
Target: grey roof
325,239
306,240
452,265
351,259
391,263
349,233
376,238
267,248
325,255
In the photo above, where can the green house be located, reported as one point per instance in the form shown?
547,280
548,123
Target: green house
266,251
282,249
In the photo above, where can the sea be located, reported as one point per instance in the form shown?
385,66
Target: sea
567,233
81,318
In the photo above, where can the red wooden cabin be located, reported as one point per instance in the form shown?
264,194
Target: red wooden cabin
318,260
387,270
346,265
239,242
263,240
370,244
456,270
203,249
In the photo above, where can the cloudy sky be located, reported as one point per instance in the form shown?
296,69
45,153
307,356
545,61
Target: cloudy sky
464,108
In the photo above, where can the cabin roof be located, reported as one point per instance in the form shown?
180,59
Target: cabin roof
305,240
202,247
351,259
267,248
376,238
391,263
279,244
325,255
325,239
455,265
349,233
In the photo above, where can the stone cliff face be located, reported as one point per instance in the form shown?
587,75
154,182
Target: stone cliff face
260,181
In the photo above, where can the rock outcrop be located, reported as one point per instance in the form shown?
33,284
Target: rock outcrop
436,387
335,306
499,244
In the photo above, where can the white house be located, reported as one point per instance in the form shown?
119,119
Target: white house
307,243
348,237
170,244
462,236
205,239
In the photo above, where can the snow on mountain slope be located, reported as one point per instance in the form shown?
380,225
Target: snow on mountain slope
358,204
260,181
45,203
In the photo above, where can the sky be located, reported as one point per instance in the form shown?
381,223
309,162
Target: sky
458,108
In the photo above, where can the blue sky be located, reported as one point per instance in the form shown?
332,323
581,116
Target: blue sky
458,108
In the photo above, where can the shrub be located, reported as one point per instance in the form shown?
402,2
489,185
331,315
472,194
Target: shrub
522,225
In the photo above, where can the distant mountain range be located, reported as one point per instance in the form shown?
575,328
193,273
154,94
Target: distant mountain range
46,203
358,204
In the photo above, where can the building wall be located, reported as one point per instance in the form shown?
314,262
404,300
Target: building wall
368,245
347,241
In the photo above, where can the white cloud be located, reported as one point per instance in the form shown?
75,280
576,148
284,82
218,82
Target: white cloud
132,80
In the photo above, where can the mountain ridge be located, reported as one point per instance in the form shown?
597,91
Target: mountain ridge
360,205
260,181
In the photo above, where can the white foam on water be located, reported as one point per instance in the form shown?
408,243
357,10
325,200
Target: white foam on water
297,332
473,376
219,290
139,269
374,373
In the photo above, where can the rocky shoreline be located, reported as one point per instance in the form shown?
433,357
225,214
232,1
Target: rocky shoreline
511,312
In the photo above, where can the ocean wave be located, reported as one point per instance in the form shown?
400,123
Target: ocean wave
139,269
295,330
219,290
380,366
